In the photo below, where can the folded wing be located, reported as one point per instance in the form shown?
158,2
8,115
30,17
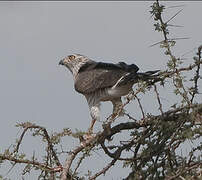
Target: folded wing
95,76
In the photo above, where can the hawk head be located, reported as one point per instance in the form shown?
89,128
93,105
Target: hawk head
74,62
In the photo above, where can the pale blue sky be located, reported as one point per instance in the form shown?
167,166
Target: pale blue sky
34,36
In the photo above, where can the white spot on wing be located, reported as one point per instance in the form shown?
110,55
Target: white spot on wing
119,80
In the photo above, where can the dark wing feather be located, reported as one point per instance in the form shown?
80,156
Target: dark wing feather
109,66
98,75
94,79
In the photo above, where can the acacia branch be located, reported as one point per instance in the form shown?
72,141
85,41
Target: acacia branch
27,126
26,161
69,160
79,163
161,76
171,115
197,76
103,171
158,98
20,140
140,105
185,169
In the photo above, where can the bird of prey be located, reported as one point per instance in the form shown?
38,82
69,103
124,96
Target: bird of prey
99,81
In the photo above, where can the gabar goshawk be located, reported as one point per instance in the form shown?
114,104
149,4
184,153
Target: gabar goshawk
99,81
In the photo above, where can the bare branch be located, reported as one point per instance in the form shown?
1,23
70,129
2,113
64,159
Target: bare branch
20,140
140,105
193,166
196,78
68,162
158,98
103,171
26,161
79,163
27,126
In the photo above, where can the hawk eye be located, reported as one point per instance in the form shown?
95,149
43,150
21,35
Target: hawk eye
71,57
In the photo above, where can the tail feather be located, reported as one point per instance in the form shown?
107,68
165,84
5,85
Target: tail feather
135,77
147,75
151,72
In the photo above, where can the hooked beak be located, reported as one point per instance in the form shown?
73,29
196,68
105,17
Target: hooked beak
61,62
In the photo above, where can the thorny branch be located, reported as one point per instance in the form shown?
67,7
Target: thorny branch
197,76
79,163
153,139
27,126
177,79
26,161
103,171
169,116
14,157
140,105
69,161
180,172
163,76
158,98
101,137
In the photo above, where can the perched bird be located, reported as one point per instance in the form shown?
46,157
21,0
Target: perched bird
99,81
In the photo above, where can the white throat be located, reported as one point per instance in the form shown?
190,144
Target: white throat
76,65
